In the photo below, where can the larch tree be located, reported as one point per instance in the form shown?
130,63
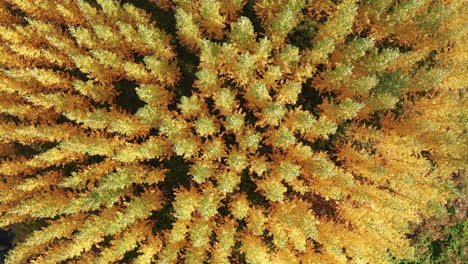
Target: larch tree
216,131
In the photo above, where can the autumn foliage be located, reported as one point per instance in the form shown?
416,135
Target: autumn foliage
216,131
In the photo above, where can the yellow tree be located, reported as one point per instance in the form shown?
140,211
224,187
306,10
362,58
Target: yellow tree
215,131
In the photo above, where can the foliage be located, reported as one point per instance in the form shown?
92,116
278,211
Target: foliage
442,239
215,131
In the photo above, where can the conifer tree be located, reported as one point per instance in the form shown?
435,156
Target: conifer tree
216,131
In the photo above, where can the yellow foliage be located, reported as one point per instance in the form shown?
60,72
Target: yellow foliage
216,131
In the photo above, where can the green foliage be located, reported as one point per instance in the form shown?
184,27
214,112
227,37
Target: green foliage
451,247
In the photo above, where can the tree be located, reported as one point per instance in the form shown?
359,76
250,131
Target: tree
207,132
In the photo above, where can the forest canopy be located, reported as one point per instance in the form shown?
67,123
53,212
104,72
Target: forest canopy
228,131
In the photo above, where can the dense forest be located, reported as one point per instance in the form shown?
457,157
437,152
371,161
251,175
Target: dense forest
233,131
